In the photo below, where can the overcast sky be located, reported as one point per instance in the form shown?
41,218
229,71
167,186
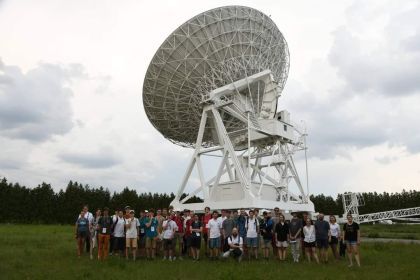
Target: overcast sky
71,78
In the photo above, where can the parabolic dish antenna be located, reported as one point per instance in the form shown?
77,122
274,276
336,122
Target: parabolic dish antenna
213,85
213,49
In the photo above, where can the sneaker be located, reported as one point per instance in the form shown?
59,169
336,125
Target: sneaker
170,259
173,258
164,258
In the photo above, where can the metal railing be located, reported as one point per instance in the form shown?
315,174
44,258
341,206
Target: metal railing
386,215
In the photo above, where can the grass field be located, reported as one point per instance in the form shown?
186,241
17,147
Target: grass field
49,252
397,231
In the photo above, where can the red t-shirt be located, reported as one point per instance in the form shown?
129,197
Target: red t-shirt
205,221
188,227
180,223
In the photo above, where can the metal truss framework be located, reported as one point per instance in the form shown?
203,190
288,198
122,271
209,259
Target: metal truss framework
261,174
351,202
387,215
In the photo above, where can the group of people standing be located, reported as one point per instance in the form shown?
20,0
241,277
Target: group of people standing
238,234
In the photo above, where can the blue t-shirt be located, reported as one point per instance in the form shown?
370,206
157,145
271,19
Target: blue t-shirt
152,230
142,231
82,225
321,229
241,226
267,229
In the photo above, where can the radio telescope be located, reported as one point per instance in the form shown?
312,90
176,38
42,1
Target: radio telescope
213,85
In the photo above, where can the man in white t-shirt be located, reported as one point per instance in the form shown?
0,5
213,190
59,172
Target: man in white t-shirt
118,233
132,225
235,245
214,228
222,217
169,229
252,229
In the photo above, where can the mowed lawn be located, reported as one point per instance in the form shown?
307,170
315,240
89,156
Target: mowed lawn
394,231
49,252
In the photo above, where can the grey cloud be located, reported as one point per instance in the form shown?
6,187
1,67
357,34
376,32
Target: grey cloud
10,164
366,111
391,69
344,121
386,159
91,160
36,105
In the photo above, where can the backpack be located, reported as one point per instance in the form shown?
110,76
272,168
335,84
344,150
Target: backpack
255,222
82,219
115,223
236,252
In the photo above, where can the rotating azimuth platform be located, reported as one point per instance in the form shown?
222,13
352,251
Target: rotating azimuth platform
213,86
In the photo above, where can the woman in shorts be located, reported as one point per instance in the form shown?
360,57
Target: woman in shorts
309,240
351,235
132,225
82,232
196,231
282,237
335,236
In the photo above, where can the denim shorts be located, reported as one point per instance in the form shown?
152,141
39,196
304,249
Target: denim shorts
252,242
351,243
266,243
214,242
322,243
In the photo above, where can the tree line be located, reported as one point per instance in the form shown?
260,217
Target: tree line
42,204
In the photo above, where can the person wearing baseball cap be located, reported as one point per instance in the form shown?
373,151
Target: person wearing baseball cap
132,225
